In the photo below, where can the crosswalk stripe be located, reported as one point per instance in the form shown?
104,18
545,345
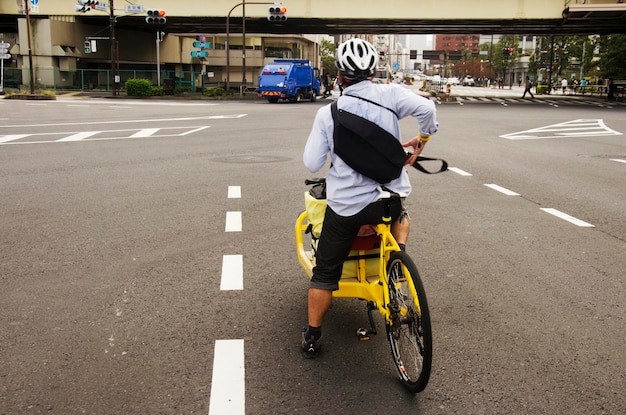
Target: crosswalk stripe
12,137
79,136
146,132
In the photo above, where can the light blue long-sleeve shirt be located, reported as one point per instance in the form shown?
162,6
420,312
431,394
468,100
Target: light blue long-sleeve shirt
348,191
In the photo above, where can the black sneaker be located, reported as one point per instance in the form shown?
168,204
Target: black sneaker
311,346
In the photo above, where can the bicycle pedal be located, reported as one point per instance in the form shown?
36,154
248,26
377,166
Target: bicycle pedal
362,334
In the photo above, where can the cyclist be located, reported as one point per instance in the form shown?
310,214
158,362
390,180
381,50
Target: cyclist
353,199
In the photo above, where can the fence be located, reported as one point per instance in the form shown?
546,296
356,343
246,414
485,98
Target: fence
100,80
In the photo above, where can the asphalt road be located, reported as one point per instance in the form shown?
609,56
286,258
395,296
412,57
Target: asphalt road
118,219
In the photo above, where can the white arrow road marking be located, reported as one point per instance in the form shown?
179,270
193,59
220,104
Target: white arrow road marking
228,385
576,128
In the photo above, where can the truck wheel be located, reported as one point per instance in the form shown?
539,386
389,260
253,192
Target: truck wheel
297,97
313,96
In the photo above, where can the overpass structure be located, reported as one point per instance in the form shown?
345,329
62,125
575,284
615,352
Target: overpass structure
536,17
51,36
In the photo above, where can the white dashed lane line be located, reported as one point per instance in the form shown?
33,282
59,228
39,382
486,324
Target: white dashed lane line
233,221
502,190
567,217
228,385
459,171
232,273
228,392
551,211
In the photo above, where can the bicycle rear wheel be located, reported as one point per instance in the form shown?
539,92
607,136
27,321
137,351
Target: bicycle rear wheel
409,333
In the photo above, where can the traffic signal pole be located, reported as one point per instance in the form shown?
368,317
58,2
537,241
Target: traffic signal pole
243,3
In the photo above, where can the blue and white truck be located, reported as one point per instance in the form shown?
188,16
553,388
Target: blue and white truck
290,79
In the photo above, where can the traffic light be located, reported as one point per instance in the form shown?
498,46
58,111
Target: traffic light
84,6
155,16
277,13
87,46
508,51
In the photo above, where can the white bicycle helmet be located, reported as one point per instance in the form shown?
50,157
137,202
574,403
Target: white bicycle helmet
356,58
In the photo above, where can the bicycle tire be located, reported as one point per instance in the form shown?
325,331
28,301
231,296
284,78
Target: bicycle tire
409,333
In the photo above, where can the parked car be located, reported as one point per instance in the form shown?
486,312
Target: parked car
468,81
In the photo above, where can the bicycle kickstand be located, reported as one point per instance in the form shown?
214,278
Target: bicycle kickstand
364,334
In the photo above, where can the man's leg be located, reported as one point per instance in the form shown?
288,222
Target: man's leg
400,230
319,302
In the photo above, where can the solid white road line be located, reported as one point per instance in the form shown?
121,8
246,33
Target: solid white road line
233,222
568,218
228,380
459,171
234,192
232,273
619,160
502,190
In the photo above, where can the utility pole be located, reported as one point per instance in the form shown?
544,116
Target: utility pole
30,49
114,76
159,39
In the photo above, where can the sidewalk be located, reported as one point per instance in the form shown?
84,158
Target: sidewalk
516,92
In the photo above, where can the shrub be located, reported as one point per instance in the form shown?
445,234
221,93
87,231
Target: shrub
139,88
214,92
542,89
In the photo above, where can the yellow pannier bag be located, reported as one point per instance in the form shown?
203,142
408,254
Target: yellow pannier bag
365,253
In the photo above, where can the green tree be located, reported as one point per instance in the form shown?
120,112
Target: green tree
327,56
612,49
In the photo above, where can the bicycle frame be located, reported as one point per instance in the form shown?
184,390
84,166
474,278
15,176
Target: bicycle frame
372,288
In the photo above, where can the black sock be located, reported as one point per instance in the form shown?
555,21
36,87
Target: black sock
315,332
402,247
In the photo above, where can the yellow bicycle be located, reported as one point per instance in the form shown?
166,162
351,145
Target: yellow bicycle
378,272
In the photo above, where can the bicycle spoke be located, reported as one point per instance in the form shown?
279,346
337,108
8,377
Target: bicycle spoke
409,331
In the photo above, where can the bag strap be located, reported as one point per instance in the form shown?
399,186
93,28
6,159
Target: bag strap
371,102
418,166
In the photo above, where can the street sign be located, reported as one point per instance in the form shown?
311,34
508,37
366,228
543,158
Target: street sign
4,45
5,56
199,54
133,8
202,45
4,50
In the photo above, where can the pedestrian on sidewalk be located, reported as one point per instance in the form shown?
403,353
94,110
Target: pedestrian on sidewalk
527,89
612,88
564,85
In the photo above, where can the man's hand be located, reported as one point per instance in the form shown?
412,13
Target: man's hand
418,145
